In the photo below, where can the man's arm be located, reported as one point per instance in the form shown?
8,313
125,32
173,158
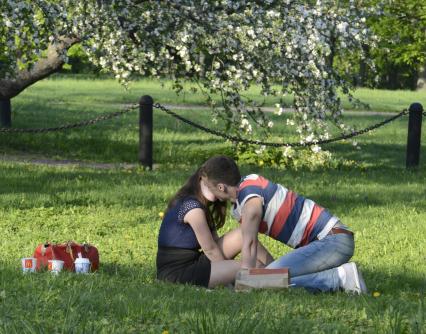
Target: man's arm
251,217
263,256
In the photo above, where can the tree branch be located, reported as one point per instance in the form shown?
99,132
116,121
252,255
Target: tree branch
44,67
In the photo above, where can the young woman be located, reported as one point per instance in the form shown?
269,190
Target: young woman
189,249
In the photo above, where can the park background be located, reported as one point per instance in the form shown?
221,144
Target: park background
86,185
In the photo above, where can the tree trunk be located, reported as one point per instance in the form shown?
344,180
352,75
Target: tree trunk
362,77
414,78
5,113
44,67
392,82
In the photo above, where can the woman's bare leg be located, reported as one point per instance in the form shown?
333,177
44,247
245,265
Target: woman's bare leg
231,243
223,272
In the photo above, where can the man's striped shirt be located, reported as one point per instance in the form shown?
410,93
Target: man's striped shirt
287,216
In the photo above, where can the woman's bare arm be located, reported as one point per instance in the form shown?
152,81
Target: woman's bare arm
197,220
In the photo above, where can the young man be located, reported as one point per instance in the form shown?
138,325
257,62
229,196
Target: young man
322,244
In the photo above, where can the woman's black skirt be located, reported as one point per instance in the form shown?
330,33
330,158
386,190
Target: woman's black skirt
180,265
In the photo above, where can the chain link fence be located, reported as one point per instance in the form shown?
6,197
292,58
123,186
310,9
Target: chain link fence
223,135
81,124
290,144
146,130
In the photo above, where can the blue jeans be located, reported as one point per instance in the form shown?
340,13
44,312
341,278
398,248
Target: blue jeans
314,266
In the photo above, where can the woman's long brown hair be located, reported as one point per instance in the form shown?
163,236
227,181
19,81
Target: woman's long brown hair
219,169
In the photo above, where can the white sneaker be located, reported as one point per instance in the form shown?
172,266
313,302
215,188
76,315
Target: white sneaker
353,281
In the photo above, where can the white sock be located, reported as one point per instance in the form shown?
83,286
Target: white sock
342,275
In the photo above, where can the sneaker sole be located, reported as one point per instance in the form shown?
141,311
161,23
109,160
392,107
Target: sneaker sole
356,277
362,285
359,280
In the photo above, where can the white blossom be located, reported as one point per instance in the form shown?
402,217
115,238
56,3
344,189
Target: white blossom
242,42
315,148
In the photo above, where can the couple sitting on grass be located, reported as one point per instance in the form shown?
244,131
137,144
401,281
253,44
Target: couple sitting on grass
190,250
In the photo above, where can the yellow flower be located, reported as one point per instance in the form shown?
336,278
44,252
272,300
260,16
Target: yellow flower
165,331
161,214
376,294
261,163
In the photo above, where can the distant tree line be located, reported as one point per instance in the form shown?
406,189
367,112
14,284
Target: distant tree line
401,56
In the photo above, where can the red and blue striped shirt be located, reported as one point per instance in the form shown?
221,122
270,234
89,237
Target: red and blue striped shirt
287,216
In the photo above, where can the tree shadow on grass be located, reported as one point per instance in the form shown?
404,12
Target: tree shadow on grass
120,291
381,155
101,147
101,142
388,281
112,187
397,281
376,280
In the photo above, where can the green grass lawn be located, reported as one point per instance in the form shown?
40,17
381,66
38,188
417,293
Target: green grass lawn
118,211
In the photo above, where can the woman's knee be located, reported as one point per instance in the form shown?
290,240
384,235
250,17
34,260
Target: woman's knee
231,243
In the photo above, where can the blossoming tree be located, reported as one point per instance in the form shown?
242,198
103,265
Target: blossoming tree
223,46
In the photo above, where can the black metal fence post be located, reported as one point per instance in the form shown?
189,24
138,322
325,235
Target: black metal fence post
145,131
414,135
5,114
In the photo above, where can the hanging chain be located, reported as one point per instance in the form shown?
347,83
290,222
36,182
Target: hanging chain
74,125
205,129
292,144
